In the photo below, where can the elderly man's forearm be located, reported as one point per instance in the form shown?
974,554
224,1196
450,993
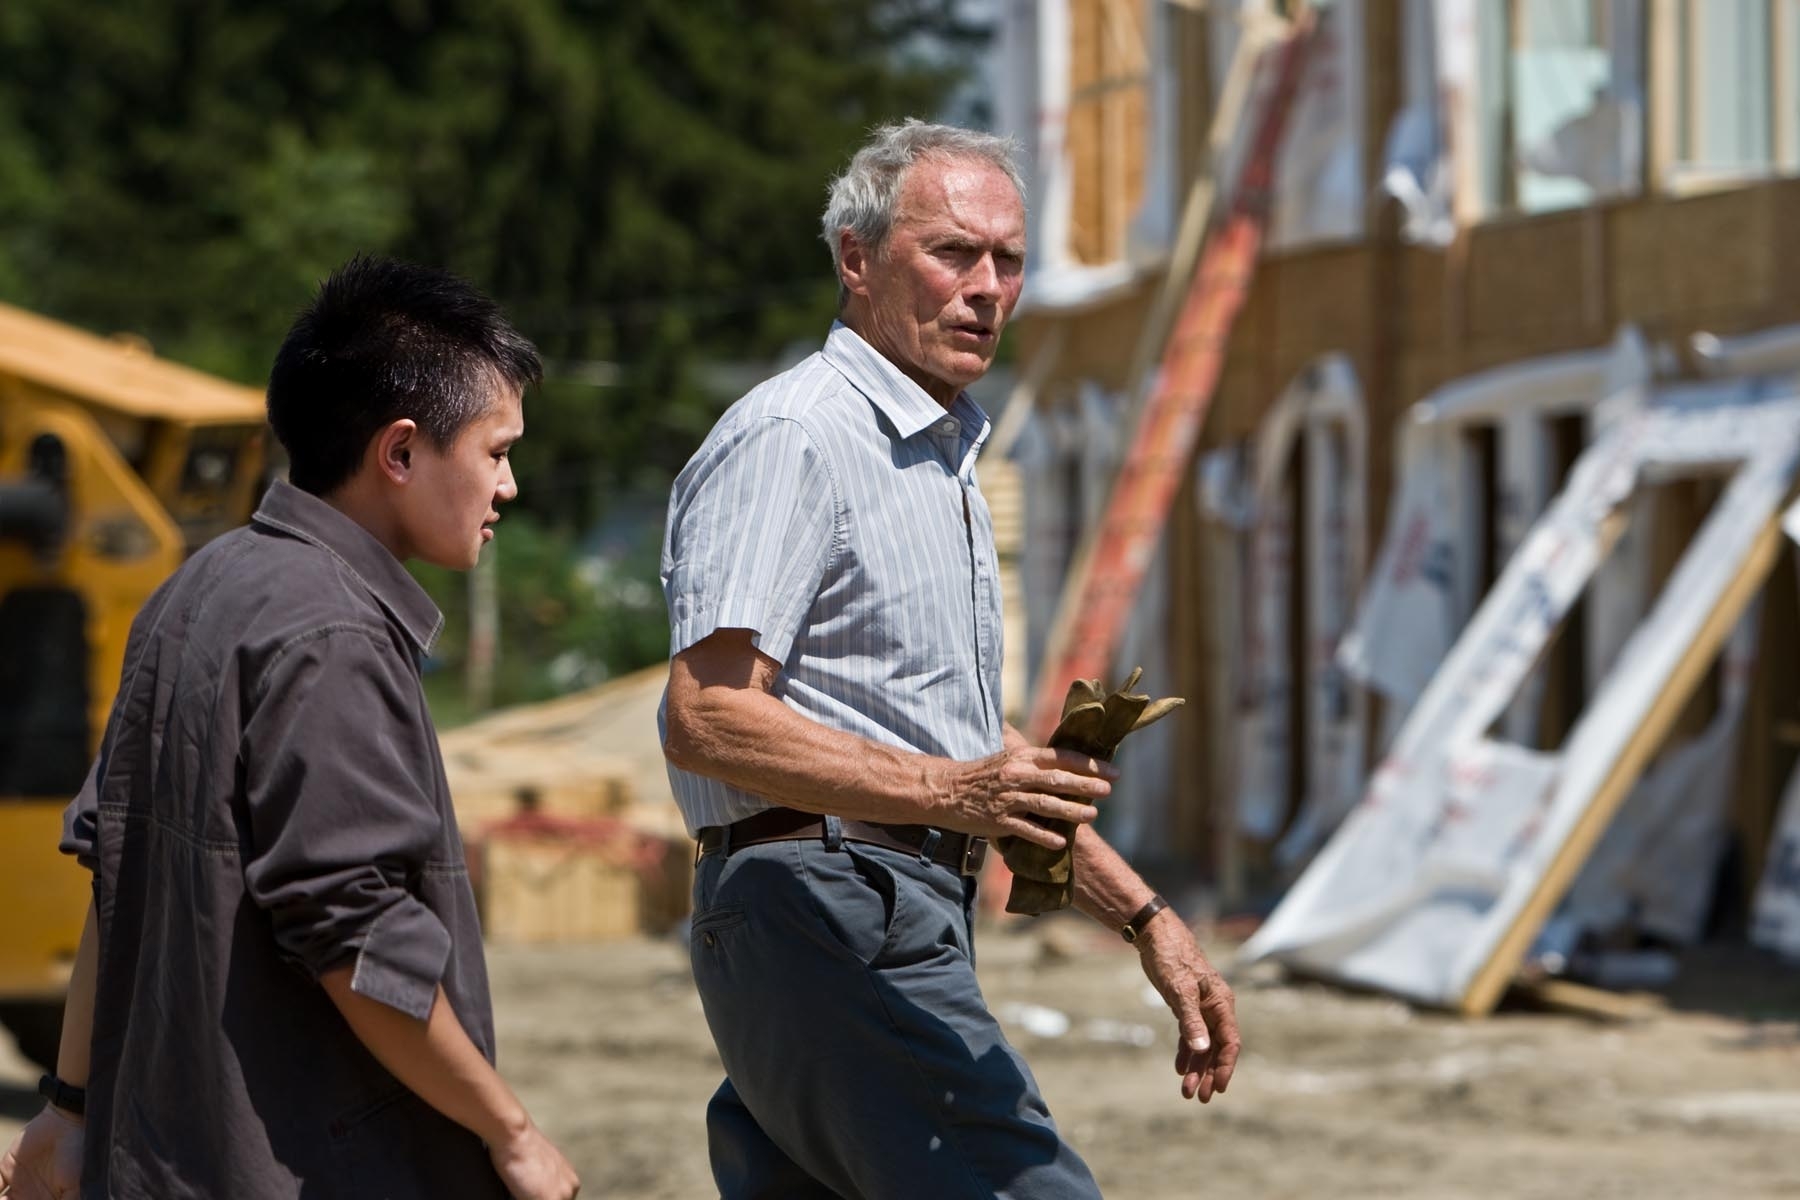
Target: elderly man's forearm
754,742
1106,888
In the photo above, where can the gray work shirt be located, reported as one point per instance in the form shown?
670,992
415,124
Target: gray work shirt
834,513
269,803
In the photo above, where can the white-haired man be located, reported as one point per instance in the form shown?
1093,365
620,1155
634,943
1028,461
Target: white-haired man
834,729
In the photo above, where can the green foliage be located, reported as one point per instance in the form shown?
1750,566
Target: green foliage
638,180
565,622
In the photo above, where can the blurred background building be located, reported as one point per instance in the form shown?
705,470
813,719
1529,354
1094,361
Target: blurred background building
1517,207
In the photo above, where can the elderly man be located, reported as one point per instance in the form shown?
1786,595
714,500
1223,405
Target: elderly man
834,728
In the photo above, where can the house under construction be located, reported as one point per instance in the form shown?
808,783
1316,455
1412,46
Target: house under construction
1328,303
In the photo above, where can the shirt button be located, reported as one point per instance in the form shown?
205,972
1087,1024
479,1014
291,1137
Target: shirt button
948,426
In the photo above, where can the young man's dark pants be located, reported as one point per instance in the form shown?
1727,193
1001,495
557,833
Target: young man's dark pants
838,980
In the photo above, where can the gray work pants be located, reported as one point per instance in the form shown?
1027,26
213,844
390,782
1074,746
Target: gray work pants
861,1060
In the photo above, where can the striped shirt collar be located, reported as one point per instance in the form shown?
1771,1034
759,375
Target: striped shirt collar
904,403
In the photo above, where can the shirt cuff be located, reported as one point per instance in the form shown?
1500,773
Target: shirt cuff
402,959
701,622
80,837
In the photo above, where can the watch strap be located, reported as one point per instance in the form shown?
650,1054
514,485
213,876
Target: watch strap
65,1096
1134,928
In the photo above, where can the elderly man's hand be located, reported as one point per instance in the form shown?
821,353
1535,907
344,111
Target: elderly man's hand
44,1162
1201,1001
995,796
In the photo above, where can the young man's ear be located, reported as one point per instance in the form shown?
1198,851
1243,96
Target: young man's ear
393,449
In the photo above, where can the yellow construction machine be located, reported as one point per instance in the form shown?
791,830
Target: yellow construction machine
114,466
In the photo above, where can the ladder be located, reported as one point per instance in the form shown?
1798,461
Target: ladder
1103,585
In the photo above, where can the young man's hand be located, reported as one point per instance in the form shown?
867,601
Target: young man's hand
533,1169
44,1162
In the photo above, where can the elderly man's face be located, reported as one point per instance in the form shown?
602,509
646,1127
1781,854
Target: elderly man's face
940,290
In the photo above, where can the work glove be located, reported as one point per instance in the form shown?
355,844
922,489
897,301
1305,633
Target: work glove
1093,723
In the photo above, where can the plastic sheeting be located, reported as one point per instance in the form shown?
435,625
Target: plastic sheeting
1068,457
1457,831
1426,579
1246,490
1775,918
1654,868
1775,915
1319,174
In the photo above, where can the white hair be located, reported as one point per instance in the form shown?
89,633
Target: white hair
863,199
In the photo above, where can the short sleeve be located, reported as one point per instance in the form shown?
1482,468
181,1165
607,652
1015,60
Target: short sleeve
338,776
752,525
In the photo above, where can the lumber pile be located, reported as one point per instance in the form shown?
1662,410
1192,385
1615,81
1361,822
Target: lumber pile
565,809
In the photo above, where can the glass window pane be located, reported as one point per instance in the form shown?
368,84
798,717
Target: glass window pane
1730,100
1575,104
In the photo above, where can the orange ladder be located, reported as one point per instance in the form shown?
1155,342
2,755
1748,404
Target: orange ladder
1103,586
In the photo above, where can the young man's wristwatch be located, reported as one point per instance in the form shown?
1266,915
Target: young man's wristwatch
1134,928
65,1096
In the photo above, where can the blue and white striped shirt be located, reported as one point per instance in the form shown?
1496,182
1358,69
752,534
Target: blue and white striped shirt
833,512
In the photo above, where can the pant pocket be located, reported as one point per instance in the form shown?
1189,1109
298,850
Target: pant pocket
858,898
707,927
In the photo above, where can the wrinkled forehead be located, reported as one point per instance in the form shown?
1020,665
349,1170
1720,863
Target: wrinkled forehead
968,195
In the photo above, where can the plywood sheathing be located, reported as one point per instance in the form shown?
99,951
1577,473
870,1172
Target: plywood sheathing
1108,123
1526,282
1674,259
1096,342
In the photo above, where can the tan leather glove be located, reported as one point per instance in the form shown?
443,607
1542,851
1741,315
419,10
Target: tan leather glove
1094,723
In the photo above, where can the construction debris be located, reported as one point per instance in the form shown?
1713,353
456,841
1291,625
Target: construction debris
565,806
1437,883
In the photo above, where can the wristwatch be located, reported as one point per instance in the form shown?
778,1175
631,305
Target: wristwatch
65,1096
1135,927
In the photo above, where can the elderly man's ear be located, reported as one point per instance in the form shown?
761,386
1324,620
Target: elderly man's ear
855,260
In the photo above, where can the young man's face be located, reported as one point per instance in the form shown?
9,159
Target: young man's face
941,288
449,510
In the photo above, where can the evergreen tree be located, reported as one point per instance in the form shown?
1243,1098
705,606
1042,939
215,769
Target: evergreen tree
639,180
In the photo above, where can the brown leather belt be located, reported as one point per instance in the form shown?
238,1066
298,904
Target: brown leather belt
961,852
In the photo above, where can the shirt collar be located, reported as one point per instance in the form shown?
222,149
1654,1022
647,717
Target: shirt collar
903,402
303,515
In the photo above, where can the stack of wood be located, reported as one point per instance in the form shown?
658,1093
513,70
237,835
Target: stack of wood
1004,491
565,807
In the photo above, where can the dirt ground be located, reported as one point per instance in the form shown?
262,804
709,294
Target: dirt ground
1338,1095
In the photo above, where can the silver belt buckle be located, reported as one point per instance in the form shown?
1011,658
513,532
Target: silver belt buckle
973,855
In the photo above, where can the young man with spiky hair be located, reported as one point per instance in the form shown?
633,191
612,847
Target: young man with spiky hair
280,991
